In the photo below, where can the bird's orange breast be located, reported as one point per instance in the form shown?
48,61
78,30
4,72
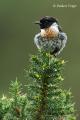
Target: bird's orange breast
49,33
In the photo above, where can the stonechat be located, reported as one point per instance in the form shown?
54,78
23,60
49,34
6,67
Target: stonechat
51,38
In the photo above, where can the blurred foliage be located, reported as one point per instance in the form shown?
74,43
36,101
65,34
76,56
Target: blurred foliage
14,107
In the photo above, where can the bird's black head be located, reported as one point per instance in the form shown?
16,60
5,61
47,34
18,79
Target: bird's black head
46,22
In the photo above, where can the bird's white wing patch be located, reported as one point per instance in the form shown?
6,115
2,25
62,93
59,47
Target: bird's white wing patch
64,40
36,40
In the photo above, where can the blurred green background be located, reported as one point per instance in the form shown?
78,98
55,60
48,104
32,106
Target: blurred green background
16,40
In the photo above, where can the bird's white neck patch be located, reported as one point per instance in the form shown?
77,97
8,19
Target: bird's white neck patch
54,27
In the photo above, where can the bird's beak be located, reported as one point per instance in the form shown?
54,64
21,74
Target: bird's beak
37,22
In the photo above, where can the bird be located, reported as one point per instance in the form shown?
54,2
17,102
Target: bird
51,37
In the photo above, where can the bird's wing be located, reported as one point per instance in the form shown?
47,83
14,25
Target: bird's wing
37,40
63,38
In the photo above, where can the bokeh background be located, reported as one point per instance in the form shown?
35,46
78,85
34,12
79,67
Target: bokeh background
17,31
